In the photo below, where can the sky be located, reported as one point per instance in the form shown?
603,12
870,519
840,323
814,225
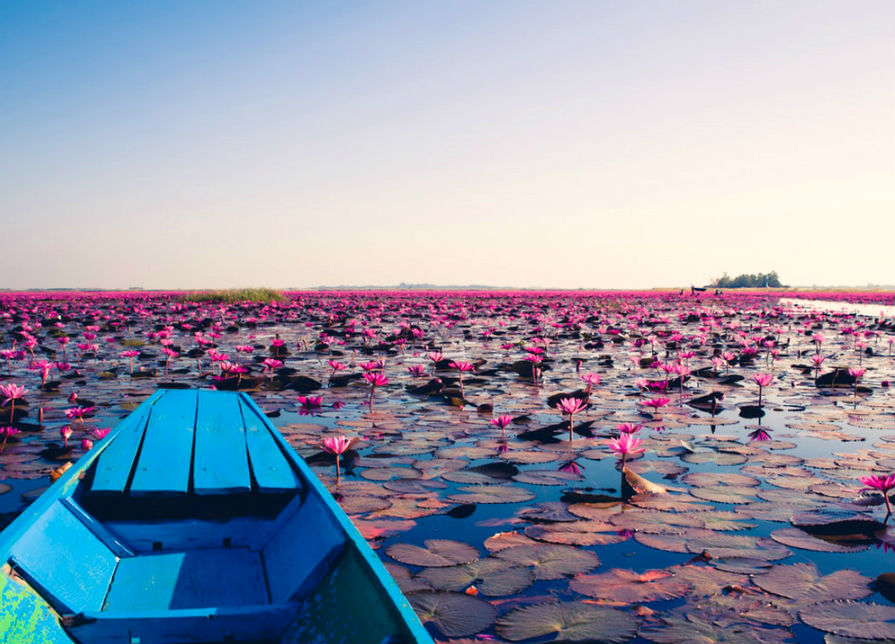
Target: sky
585,144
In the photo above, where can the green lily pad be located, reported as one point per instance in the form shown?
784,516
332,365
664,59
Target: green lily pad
492,494
802,582
551,561
800,539
491,576
454,614
436,553
851,619
569,621
631,587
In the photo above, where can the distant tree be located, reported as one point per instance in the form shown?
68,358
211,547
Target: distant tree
770,280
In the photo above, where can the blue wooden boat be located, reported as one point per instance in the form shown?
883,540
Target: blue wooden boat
194,521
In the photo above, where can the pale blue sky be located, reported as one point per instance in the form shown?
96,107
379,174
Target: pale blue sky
553,144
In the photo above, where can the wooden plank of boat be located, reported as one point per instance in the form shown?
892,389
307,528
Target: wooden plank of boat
165,457
290,583
220,463
269,467
113,471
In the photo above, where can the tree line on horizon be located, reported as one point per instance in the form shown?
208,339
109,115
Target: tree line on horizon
751,280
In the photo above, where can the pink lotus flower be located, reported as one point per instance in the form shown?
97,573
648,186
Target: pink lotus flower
86,444
461,367
311,402
78,413
592,380
656,403
12,392
857,374
416,371
503,421
271,364
371,365
625,445
571,406
66,433
628,428
6,432
337,445
883,484
100,433
762,380
376,379
335,365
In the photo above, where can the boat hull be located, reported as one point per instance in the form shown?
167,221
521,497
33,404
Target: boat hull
326,586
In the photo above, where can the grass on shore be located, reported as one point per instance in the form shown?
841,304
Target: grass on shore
231,295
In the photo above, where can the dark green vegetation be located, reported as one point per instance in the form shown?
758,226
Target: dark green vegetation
742,281
230,295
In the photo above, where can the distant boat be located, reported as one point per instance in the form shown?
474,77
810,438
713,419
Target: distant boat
195,521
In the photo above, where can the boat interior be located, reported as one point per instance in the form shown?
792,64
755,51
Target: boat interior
191,520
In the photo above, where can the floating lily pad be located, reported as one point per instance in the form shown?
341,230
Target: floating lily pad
697,628
551,561
628,586
492,494
454,614
546,477
568,622
405,581
357,504
726,545
491,576
436,553
801,581
578,533
549,511
851,619
504,540
800,539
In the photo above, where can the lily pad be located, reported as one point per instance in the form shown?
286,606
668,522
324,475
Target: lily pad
436,553
726,545
454,614
569,622
802,582
492,494
699,628
628,586
578,533
851,619
490,576
800,539
551,561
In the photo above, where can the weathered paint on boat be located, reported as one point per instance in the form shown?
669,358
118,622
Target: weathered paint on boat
346,595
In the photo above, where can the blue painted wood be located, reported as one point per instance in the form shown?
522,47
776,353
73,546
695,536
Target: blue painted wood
114,543
166,455
244,624
190,534
65,561
113,469
383,580
270,469
220,461
302,551
192,579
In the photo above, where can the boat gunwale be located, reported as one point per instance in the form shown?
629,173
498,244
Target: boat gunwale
64,487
